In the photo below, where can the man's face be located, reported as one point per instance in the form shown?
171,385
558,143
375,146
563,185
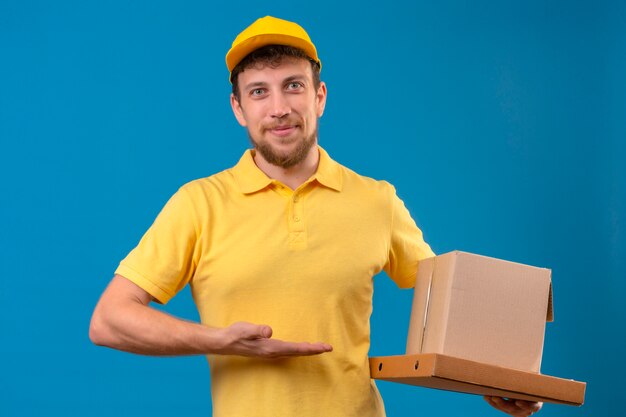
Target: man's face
280,107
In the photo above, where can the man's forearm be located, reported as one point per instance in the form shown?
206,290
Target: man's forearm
145,330
123,320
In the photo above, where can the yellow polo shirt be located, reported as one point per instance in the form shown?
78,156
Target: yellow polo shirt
301,261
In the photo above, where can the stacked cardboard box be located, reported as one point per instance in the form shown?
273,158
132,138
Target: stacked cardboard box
477,326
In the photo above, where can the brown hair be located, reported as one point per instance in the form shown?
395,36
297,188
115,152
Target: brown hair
271,55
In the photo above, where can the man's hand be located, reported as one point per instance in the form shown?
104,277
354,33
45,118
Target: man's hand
516,408
247,339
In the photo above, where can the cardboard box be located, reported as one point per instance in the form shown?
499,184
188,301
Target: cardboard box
454,374
481,309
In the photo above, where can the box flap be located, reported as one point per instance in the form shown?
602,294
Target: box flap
419,310
550,312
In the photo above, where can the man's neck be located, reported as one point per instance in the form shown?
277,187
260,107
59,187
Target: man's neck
294,176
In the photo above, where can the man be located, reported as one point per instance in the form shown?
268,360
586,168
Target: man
279,252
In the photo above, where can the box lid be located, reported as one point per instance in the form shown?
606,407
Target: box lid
454,374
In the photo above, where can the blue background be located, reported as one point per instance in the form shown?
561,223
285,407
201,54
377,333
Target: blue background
502,125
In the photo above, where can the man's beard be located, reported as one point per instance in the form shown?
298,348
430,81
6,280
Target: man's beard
289,160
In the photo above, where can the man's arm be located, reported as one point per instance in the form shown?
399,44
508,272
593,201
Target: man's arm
124,320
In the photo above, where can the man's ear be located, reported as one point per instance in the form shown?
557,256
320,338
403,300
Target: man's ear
237,110
321,99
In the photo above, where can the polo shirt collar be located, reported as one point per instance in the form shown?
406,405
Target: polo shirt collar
328,171
248,176
251,179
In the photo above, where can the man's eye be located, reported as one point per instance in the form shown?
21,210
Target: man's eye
257,92
294,85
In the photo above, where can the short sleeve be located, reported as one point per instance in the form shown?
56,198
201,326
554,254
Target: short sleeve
163,262
407,246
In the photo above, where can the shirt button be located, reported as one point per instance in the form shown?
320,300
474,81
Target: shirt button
297,219
295,199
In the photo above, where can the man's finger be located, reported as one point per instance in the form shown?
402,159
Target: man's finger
279,348
258,331
514,407
529,405
265,331
252,331
301,347
502,405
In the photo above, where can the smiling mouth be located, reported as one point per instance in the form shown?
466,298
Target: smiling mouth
283,130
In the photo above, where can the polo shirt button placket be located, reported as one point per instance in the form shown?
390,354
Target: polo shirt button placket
297,207
296,224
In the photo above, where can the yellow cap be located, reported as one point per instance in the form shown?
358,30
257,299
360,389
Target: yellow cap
269,30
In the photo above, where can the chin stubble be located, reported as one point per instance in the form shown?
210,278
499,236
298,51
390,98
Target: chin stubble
289,160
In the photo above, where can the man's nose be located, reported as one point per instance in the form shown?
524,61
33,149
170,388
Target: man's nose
280,106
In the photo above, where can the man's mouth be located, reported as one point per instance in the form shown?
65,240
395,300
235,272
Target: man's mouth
284,130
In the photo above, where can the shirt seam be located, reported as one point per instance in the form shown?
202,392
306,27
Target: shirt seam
168,293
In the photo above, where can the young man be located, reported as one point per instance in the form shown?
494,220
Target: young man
279,252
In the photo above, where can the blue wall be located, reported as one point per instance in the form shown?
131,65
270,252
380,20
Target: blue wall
501,124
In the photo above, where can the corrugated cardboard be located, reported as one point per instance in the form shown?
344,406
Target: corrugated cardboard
460,375
481,309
